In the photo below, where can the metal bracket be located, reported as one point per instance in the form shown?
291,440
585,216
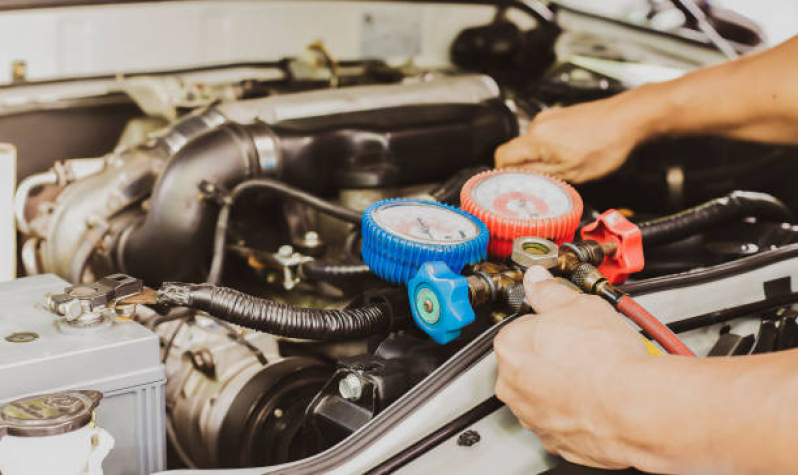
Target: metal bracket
88,302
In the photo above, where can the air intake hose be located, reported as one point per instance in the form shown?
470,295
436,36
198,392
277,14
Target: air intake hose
385,148
276,318
735,205
174,240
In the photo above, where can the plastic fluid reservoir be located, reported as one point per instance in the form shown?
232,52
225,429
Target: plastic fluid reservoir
53,434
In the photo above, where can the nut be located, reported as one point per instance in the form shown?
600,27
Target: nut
72,310
533,251
312,239
350,387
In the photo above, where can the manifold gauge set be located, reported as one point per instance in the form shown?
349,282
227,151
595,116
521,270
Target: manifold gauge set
426,245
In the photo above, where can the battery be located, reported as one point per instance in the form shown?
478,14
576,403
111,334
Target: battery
41,353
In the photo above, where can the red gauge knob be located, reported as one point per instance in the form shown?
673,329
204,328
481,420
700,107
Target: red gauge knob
516,203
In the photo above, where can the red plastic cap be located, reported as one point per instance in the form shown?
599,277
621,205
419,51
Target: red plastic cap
504,229
613,227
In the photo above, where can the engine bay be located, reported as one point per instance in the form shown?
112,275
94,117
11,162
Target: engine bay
324,251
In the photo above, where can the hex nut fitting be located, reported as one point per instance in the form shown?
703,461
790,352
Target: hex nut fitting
533,251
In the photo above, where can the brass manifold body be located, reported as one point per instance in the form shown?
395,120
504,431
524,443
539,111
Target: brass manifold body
573,264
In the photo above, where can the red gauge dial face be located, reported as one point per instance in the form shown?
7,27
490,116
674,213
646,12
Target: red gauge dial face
521,196
425,223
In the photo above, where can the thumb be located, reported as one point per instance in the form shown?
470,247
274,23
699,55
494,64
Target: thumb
544,293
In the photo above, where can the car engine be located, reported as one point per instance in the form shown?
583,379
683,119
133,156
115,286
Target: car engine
312,251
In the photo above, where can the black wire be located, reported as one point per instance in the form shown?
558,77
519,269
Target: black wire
168,347
171,316
236,336
722,316
341,212
287,191
351,245
434,439
535,8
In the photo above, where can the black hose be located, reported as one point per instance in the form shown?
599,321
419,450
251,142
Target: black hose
735,205
276,318
321,271
173,241
449,190
352,244
288,191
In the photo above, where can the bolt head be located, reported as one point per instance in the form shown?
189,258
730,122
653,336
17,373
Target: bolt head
312,239
73,310
285,251
351,387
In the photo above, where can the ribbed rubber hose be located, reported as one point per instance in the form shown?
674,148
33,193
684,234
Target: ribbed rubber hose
326,272
735,205
276,318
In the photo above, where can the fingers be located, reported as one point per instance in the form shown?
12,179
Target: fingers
514,152
544,293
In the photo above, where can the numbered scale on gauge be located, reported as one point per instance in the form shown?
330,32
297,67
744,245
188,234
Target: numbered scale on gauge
400,235
425,223
516,203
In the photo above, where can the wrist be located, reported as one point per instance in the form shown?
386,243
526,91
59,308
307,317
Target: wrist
636,415
649,111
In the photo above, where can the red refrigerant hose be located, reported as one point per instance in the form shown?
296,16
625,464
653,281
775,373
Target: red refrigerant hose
653,327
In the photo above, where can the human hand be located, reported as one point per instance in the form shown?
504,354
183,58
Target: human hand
578,143
557,371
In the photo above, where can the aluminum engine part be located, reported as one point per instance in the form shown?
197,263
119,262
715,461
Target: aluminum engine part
232,399
469,89
84,213
79,219
87,205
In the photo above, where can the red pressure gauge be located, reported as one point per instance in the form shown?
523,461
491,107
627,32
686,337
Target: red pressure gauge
516,203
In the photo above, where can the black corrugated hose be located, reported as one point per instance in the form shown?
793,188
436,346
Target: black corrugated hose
276,318
326,272
735,205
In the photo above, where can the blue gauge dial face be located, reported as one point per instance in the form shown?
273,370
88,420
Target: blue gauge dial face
425,223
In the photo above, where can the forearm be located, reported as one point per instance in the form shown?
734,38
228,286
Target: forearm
754,98
716,415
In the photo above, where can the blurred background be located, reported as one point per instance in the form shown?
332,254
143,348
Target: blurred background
101,39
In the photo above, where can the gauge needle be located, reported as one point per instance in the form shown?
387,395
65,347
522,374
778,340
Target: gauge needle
532,213
424,228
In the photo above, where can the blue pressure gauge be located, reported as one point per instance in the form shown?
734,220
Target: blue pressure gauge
402,234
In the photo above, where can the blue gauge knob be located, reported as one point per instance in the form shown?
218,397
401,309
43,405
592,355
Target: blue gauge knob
439,301
402,234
